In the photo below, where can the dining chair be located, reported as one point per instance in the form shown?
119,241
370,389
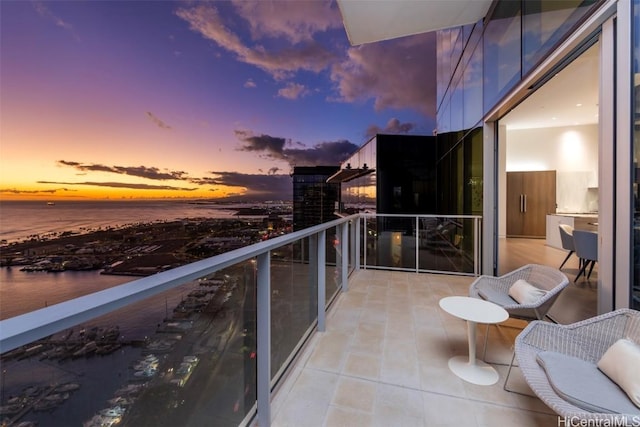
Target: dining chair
566,238
586,244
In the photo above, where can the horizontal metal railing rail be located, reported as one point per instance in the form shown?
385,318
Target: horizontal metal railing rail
24,329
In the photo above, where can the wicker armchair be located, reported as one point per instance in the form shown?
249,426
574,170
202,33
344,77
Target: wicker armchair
496,290
587,340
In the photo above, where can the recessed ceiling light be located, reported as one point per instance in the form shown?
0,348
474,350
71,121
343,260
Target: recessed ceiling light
554,118
578,105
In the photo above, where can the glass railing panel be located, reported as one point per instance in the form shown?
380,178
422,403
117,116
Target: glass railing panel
183,357
392,243
333,273
353,241
446,244
294,296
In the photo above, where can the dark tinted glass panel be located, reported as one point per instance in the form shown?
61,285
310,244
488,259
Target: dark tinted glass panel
545,23
501,52
472,80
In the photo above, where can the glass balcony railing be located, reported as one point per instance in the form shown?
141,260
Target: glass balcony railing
206,343
422,243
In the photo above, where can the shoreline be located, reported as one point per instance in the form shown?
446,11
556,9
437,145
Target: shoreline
140,249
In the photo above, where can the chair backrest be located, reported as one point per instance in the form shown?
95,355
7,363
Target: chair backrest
545,277
586,243
566,237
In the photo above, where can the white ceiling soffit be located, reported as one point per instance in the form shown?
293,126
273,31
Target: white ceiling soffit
369,21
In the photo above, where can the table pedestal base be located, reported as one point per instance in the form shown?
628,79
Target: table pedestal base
476,372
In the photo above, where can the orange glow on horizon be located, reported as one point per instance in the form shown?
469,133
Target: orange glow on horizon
90,193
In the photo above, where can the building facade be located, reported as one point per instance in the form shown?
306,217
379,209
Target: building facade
314,200
508,69
545,85
391,174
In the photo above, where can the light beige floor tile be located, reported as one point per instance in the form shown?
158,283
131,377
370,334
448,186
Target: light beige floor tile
383,361
394,401
345,417
442,410
495,415
439,379
355,394
369,338
330,351
362,366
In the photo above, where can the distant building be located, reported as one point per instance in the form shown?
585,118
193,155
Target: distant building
314,200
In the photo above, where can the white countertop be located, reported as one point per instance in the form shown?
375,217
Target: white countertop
578,215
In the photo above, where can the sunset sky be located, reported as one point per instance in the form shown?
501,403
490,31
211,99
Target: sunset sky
163,99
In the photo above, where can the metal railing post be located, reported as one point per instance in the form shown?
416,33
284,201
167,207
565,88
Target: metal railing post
476,246
344,242
322,272
417,244
356,244
364,245
264,338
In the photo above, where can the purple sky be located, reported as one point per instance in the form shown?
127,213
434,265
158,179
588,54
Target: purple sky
154,99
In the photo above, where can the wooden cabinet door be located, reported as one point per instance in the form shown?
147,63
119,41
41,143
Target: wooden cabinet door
515,214
530,197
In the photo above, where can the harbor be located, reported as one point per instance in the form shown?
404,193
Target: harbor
198,325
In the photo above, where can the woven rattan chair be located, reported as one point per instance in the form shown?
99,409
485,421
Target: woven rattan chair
496,290
587,340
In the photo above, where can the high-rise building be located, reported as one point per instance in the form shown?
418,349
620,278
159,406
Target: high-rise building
314,200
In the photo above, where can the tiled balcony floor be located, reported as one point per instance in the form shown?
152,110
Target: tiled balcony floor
383,362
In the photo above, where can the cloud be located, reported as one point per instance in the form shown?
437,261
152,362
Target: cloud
296,21
121,185
289,37
257,186
394,126
157,121
293,91
45,12
16,191
279,63
396,74
263,186
250,84
324,153
139,171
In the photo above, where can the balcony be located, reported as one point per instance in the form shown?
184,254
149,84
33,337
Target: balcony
335,324
382,361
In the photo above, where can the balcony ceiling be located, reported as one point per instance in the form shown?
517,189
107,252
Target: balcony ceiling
369,21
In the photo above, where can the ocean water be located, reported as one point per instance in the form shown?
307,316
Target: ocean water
22,292
20,220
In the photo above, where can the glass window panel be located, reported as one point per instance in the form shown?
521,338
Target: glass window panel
457,102
635,291
442,74
501,52
545,23
472,81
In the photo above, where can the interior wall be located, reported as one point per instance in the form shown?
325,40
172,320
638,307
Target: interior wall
571,151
